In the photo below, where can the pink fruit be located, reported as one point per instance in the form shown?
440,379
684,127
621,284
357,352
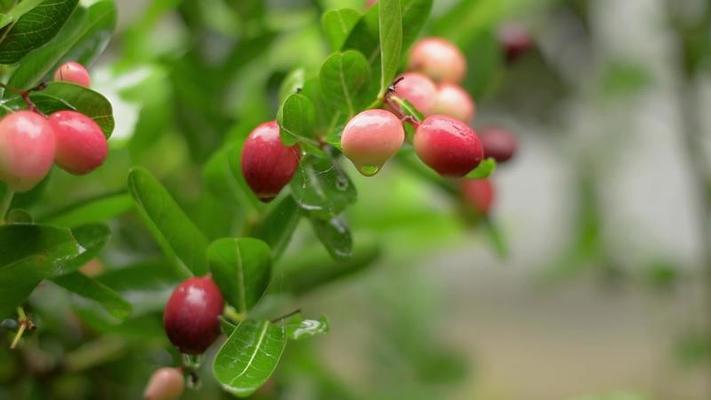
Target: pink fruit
26,149
478,194
448,146
191,315
267,164
73,72
499,144
439,59
371,138
454,101
418,89
165,384
81,144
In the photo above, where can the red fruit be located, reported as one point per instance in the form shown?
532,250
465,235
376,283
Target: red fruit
498,143
418,89
26,149
73,72
267,164
165,384
447,145
454,101
515,41
478,194
81,144
191,315
371,138
439,59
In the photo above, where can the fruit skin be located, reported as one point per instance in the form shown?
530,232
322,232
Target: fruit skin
27,148
371,137
81,144
499,143
454,101
515,40
418,89
448,145
439,59
478,194
73,72
267,164
165,384
191,315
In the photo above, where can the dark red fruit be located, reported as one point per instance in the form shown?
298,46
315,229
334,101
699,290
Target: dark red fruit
448,146
267,164
191,315
499,144
515,41
478,194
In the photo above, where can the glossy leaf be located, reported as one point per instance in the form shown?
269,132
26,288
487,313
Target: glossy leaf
337,24
176,234
292,83
81,285
296,119
100,208
242,269
277,227
249,356
18,10
321,187
483,170
335,234
343,78
92,238
390,31
299,328
33,29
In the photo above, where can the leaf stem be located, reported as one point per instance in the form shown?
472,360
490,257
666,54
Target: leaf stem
5,204
24,323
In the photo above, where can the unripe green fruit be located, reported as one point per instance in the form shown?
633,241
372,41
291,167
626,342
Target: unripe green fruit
27,148
73,72
439,59
165,384
371,138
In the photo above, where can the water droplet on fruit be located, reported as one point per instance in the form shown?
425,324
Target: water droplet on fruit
369,170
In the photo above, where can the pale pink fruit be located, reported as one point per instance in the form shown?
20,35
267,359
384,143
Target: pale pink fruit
448,145
371,138
439,59
165,384
418,89
27,149
454,101
81,144
73,72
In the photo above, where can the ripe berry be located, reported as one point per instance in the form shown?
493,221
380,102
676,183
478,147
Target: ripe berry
191,315
514,40
454,101
165,384
418,89
498,143
447,145
27,149
478,194
73,72
439,59
267,164
371,138
81,144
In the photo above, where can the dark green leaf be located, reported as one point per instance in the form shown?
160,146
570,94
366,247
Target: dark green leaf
18,216
92,238
298,328
177,235
147,275
343,78
98,209
17,10
249,356
242,269
390,41
80,284
278,226
335,235
320,186
337,24
296,119
224,178
483,170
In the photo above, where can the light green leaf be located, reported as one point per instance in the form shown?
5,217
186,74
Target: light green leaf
483,170
343,78
97,209
292,83
296,118
321,187
82,285
337,24
390,26
299,328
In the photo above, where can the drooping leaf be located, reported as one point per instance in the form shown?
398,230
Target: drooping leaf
343,78
390,30
337,24
335,234
82,285
97,209
296,118
278,226
249,356
176,234
483,170
242,269
321,187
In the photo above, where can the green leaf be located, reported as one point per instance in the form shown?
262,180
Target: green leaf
33,29
176,234
496,237
92,238
335,235
82,38
337,24
223,176
143,276
19,9
296,118
279,224
97,209
298,328
242,269
408,108
390,26
249,356
82,285
343,78
321,187
292,83
483,170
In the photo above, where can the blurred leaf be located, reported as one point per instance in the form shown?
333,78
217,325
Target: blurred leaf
296,119
337,24
242,269
335,234
223,176
390,27
147,275
320,186
18,216
485,168
298,328
34,28
92,238
249,356
293,83
343,77
496,237
97,209
277,227
80,284
620,78
408,108
175,232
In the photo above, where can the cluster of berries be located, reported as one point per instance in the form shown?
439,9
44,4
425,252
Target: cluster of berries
31,142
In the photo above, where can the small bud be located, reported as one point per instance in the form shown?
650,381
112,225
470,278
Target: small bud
73,72
27,149
371,138
454,101
81,144
515,41
165,384
439,59
447,145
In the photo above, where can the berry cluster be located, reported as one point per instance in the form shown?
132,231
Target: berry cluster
31,142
